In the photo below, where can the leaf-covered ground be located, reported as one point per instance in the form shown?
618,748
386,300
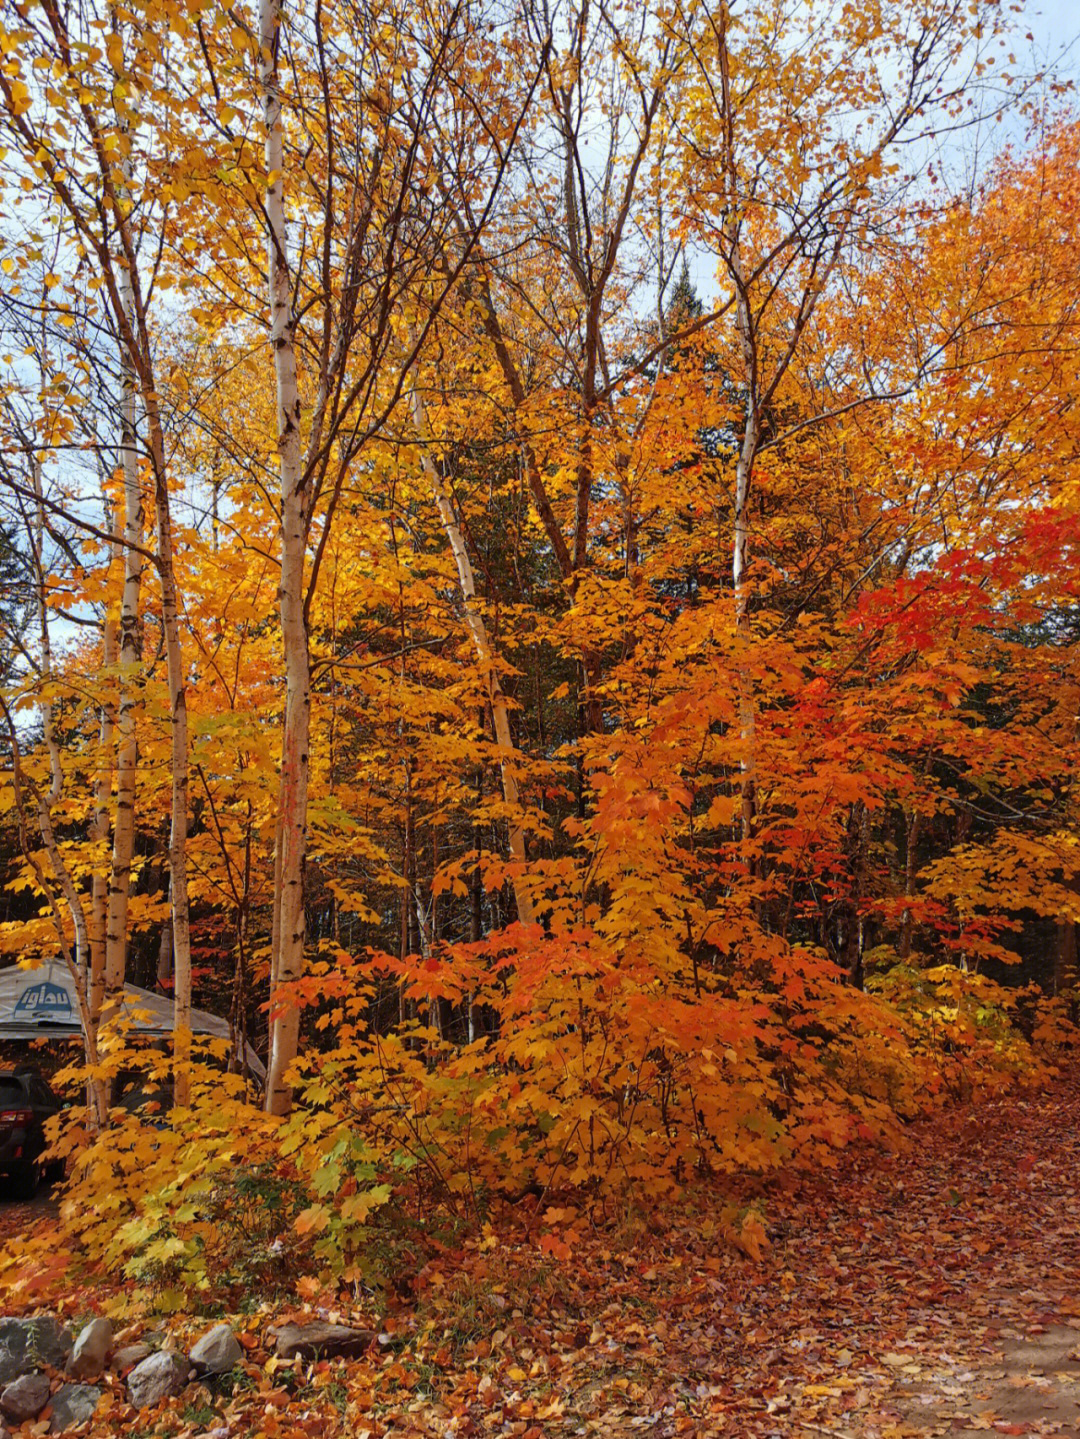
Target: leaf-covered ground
932,1292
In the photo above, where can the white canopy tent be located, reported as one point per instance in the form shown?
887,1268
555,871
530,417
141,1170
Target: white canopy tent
41,1004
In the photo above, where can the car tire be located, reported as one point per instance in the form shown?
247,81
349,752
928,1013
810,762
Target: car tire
24,1181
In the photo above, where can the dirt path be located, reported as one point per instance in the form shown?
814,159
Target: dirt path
1031,1386
16,1215
933,1292
957,1268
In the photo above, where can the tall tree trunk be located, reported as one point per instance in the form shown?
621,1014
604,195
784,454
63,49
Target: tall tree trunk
1066,968
78,962
45,709
740,567
474,622
1065,965
163,971
851,939
178,828
291,831
129,656
100,824
744,467
912,827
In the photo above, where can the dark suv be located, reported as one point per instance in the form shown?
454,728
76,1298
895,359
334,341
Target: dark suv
26,1102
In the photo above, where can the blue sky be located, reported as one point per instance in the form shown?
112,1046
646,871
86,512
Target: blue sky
1054,26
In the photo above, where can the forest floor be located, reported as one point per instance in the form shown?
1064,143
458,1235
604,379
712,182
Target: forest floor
932,1292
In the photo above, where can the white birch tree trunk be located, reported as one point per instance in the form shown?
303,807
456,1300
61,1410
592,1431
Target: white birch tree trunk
740,565
45,709
744,467
129,655
77,961
291,830
140,358
81,962
474,621
101,821
178,759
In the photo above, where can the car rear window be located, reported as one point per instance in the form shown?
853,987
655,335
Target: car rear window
11,1092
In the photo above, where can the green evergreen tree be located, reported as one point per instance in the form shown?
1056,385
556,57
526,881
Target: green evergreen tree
683,306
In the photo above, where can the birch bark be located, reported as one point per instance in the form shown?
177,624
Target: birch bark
138,362
129,657
740,563
291,827
474,621
744,465
78,962
178,828
138,355
100,824
45,709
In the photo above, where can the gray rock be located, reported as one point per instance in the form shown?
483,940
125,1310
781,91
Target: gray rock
91,1348
130,1355
217,1351
25,1344
157,1377
319,1341
72,1405
25,1398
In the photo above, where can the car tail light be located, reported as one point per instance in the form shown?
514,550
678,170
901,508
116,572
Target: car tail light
16,1116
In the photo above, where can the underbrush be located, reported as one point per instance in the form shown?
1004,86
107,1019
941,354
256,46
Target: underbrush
599,1089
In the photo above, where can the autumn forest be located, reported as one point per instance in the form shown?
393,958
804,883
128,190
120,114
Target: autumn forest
541,590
